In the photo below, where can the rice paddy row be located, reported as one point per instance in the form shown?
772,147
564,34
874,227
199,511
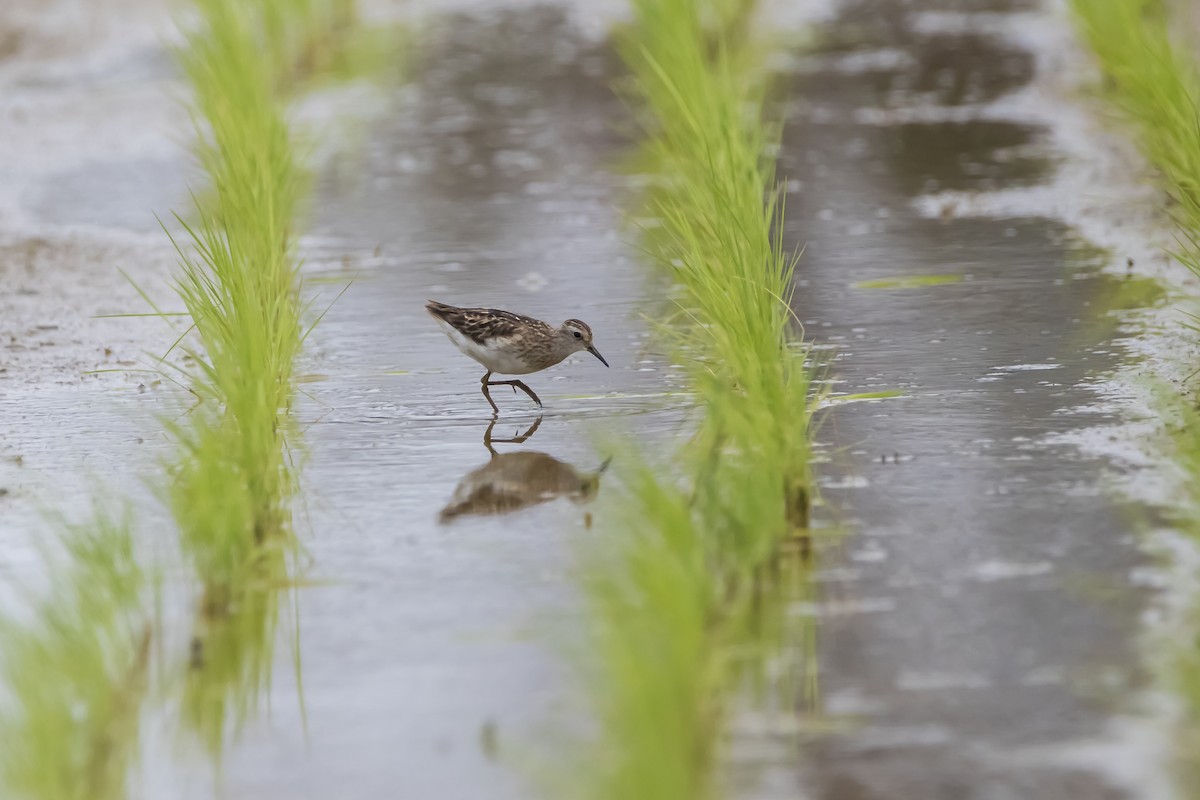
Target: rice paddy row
1152,75
77,672
683,596
230,490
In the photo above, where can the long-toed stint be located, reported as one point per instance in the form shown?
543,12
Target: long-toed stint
511,344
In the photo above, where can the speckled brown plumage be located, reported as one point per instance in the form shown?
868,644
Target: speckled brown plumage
481,324
511,344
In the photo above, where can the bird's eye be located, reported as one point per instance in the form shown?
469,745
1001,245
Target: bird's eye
578,335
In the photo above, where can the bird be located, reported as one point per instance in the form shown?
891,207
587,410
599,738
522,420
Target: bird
511,344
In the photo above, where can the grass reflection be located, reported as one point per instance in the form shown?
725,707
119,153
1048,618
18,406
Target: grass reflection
233,648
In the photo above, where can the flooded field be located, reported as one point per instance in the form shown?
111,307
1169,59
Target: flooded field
978,585
980,618
491,183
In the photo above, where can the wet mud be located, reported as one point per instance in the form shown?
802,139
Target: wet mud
979,640
76,404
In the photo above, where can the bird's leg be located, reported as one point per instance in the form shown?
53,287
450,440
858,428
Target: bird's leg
528,391
483,383
518,385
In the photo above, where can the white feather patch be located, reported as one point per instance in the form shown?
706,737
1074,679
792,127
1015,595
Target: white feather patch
493,354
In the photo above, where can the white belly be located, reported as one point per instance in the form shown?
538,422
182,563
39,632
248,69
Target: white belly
493,353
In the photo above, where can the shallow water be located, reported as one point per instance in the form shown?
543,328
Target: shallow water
980,618
977,623
491,182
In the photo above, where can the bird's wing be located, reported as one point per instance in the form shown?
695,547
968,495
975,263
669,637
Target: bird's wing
481,324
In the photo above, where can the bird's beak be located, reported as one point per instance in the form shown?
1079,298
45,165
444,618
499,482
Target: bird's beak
596,353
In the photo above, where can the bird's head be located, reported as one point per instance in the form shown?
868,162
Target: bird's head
576,336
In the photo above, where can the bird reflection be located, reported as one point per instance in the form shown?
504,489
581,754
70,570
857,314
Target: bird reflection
512,481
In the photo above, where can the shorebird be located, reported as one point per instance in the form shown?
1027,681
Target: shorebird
511,344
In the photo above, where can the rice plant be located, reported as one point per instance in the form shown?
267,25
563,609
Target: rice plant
239,283
720,242
685,607
1155,80
232,484
76,670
